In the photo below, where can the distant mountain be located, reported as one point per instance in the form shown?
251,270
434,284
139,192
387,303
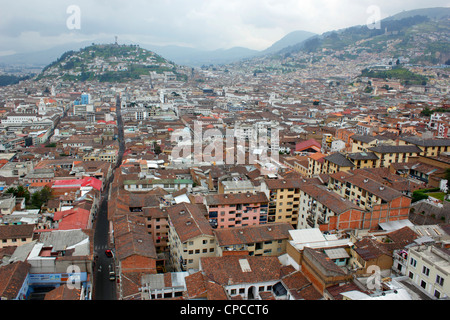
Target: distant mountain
290,39
41,58
196,57
107,63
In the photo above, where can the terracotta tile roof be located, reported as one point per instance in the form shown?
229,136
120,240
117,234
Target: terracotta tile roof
189,221
132,238
369,249
195,285
63,293
329,199
228,270
336,290
236,198
16,231
252,234
273,184
375,187
328,267
12,278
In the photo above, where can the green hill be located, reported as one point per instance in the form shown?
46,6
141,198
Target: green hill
107,63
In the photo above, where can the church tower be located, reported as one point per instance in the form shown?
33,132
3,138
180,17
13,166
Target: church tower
42,109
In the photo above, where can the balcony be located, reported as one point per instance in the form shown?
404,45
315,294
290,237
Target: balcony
310,221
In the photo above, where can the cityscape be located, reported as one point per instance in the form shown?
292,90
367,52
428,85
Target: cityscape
315,169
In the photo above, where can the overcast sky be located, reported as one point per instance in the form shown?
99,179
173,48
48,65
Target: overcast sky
256,24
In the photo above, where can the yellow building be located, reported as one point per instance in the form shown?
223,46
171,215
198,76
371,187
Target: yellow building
190,236
362,160
336,162
260,240
284,200
362,143
315,163
429,147
394,154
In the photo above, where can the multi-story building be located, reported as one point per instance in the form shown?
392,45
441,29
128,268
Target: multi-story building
429,268
429,147
157,226
327,210
394,154
363,160
190,236
259,240
284,200
315,164
237,209
336,162
382,203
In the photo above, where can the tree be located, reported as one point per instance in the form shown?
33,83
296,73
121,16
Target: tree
426,112
156,148
39,198
19,192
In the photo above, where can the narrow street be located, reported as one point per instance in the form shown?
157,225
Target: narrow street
104,288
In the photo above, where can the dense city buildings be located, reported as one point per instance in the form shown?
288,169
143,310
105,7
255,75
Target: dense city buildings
300,176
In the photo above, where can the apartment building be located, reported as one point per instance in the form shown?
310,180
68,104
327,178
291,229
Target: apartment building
284,200
237,209
429,147
362,143
381,203
336,162
259,240
157,226
394,154
429,268
315,164
324,209
190,236
362,160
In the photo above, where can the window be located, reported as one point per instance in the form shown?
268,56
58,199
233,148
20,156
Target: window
413,262
437,294
426,271
423,284
439,280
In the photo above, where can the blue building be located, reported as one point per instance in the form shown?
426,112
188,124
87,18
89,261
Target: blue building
85,98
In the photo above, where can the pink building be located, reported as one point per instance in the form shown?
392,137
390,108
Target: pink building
236,209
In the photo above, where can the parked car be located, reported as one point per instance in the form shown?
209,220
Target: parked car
108,253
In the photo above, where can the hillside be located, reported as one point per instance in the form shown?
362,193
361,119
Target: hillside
420,35
291,39
107,63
